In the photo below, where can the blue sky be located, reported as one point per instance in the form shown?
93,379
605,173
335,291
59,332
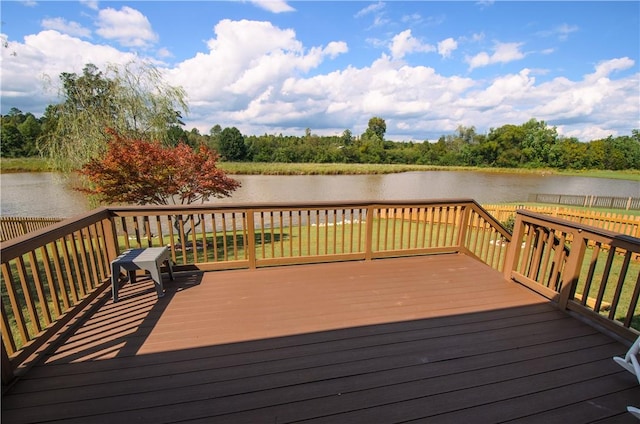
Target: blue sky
281,67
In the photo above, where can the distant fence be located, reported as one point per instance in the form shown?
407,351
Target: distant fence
611,221
589,201
11,227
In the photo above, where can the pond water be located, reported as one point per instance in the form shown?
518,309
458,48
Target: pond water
48,195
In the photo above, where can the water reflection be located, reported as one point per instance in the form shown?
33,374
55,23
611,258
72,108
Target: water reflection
45,194
40,194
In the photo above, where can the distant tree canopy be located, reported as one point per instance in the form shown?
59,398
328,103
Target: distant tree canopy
232,145
19,134
532,144
377,128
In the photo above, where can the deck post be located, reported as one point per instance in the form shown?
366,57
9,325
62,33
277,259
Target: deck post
368,239
111,237
513,254
251,236
571,272
464,227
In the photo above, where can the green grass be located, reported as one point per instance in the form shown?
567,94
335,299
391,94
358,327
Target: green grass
611,283
8,165
262,168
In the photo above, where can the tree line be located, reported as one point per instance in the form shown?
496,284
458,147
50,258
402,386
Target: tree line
134,102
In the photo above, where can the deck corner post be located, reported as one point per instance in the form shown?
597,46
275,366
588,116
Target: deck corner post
571,272
465,224
513,252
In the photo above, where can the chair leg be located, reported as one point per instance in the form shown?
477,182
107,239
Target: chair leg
630,360
634,411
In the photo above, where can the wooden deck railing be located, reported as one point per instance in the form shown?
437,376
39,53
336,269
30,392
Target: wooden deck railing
50,275
589,271
47,277
237,236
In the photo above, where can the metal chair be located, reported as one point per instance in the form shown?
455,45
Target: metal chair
630,363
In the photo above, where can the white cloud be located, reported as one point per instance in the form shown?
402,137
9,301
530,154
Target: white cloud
404,43
479,60
477,37
414,18
31,76
91,4
561,31
433,21
67,27
564,30
587,133
502,53
596,97
247,60
379,21
377,10
275,6
447,46
506,89
258,77
372,8
335,48
127,26
164,53
606,68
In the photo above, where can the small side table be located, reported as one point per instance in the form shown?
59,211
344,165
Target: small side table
149,259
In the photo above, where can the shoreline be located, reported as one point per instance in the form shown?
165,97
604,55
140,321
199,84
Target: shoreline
17,165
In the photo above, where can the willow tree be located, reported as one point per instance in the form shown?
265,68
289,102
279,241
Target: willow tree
132,100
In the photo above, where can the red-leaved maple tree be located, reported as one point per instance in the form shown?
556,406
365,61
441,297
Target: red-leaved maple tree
142,172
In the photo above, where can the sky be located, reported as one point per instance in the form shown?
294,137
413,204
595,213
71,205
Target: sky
274,66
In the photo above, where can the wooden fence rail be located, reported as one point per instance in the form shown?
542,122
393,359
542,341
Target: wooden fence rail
620,223
589,201
11,227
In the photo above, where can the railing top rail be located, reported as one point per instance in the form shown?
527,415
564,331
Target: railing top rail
20,245
286,205
580,227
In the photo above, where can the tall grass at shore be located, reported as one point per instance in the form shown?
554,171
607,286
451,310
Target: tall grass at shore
259,168
8,165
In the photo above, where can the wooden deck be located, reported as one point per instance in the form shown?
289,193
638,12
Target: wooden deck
430,339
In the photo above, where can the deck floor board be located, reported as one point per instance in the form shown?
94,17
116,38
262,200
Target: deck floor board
426,339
